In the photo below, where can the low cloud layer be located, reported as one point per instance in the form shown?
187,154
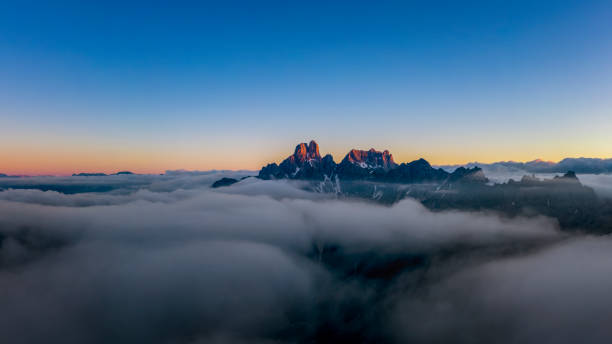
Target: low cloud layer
166,259
556,295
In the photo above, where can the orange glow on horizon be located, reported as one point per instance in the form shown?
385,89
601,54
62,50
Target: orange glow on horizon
61,162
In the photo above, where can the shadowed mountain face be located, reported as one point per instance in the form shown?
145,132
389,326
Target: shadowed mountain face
418,171
472,175
564,198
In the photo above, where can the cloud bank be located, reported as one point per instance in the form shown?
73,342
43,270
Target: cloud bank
166,259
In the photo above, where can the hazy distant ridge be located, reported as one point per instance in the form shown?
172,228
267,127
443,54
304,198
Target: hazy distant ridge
578,165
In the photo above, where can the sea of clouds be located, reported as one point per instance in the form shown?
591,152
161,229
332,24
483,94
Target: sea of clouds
167,259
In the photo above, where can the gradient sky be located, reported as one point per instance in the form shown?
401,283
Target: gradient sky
229,85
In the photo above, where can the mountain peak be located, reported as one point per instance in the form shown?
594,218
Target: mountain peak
468,175
305,152
421,161
305,163
569,176
313,147
540,161
370,159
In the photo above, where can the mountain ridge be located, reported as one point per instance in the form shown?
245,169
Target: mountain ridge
371,165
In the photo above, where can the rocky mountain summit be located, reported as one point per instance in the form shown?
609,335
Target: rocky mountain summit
305,163
371,159
371,165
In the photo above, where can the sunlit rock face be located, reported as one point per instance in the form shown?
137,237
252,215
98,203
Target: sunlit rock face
370,159
304,153
305,163
360,164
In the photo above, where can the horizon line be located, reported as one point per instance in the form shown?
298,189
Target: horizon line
111,172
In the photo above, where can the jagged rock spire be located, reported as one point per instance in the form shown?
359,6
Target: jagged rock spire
305,163
305,152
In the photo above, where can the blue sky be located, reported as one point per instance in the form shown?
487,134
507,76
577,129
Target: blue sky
155,86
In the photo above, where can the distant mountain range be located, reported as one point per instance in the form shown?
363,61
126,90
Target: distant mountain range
578,165
97,174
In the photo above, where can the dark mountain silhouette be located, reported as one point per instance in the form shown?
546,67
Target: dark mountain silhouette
418,171
473,175
99,174
86,174
227,182
224,182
